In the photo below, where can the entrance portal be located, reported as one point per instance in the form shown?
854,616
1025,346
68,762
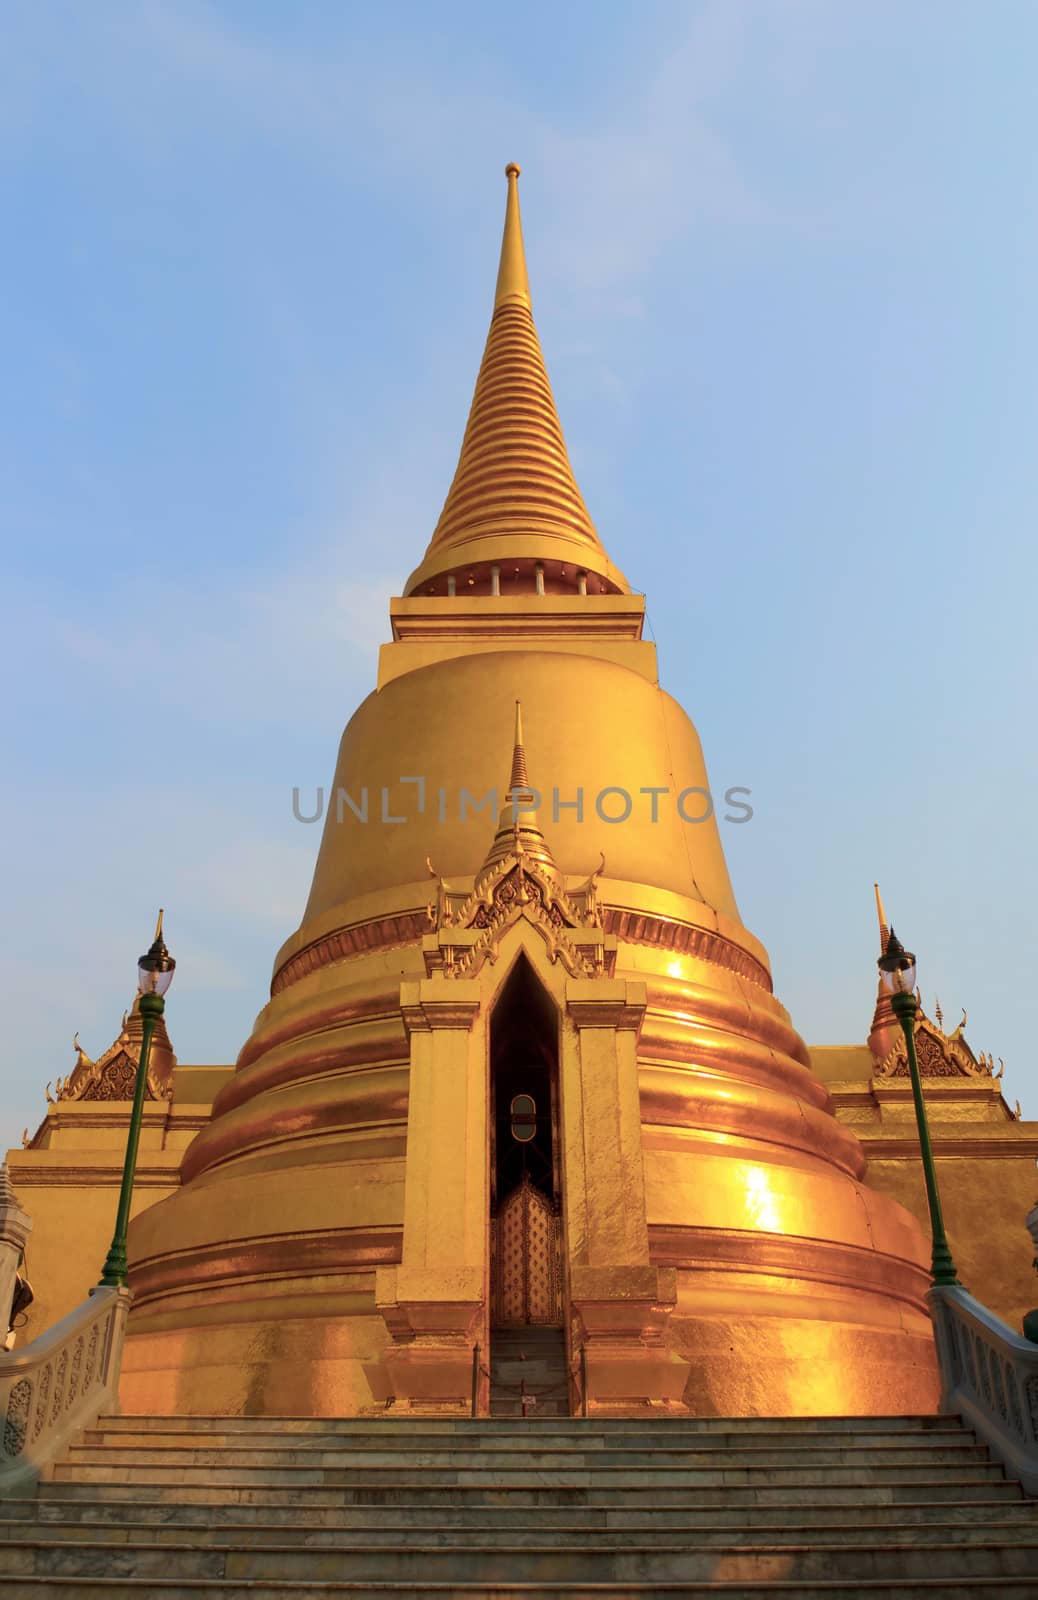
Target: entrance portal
525,1225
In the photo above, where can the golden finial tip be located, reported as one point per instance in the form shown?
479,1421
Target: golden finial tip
879,905
513,169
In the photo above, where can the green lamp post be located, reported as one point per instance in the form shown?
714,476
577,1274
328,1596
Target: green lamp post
154,976
897,970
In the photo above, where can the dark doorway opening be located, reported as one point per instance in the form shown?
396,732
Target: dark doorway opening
523,1068
526,1255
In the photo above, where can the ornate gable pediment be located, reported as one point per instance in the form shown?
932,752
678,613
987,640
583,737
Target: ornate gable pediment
113,1076
939,1054
468,927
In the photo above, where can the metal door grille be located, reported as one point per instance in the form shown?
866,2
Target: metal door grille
526,1260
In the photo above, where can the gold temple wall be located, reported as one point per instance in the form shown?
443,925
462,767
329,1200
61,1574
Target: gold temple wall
69,1182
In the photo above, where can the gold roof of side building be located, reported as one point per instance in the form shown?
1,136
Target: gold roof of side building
514,500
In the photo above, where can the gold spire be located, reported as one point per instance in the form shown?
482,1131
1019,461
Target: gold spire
885,1028
514,502
158,928
518,825
519,780
884,930
512,281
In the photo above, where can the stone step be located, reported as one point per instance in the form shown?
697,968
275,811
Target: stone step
520,1360
654,1562
551,1355
218,1508
538,1381
950,1486
528,1330
427,1531
513,1475
761,1521
401,1424
520,1440
76,1588
961,1451
525,1344
534,1374
514,1406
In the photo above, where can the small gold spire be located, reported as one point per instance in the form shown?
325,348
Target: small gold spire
512,281
158,927
518,828
520,778
884,931
886,1029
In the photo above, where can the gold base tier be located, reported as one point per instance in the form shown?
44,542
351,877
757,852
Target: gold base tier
824,1357
330,1253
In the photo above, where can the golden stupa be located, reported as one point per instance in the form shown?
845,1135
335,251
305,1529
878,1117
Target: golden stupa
523,940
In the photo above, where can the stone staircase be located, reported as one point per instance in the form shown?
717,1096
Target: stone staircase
228,1508
531,1359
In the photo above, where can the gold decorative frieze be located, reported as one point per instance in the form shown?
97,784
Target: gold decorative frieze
631,927
379,933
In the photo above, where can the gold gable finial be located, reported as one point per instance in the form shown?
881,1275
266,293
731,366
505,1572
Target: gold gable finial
512,280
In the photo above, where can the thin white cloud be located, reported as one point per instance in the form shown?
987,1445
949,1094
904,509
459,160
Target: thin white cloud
612,195
276,646
294,642
233,891
251,876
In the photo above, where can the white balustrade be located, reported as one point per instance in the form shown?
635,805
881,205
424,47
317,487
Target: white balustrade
58,1385
989,1376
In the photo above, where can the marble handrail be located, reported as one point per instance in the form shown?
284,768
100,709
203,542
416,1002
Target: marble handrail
58,1385
989,1375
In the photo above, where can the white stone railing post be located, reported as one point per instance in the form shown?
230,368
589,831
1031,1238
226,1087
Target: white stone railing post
989,1376
15,1227
53,1388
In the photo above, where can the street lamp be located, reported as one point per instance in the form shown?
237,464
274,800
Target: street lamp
897,970
154,976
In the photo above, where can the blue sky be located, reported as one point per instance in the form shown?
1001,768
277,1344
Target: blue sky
783,259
